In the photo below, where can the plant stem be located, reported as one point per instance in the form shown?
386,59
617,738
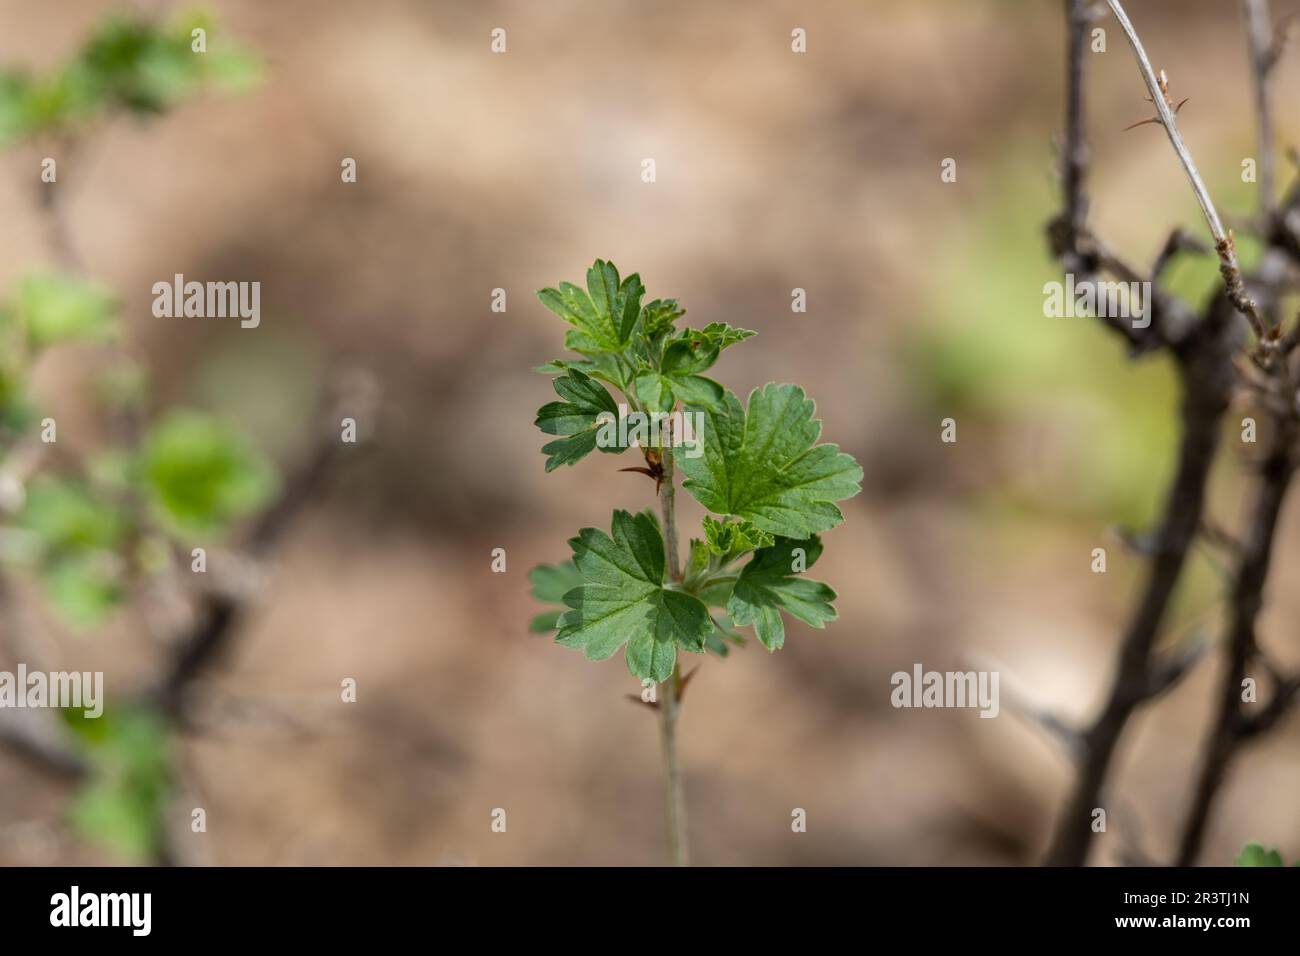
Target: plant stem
670,690
1223,243
667,503
674,797
1233,727
1263,57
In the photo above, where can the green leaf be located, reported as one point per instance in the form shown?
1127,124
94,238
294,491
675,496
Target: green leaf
136,65
658,317
587,406
1255,855
67,517
122,805
765,465
696,350
127,64
769,584
132,64
603,366
14,121
85,587
723,637
55,308
550,583
604,315
729,539
661,392
699,558
674,376
201,475
79,534
33,105
623,600
697,391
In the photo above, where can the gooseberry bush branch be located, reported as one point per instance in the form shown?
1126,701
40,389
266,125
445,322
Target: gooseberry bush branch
770,488
1232,347
105,528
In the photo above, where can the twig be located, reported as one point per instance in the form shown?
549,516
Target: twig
36,742
1232,725
1179,241
1223,242
1206,377
1083,254
1207,373
1263,57
52,204
1203,405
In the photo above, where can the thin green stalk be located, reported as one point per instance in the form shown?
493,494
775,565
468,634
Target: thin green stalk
670,690
674,796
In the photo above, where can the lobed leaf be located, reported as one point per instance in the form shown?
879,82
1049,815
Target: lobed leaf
769,584
622,600
604,315
550,583
729,539
586,407
764,465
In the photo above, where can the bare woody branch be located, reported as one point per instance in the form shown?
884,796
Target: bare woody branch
1207,363
1203,352
1264,52
1233,724
1223,241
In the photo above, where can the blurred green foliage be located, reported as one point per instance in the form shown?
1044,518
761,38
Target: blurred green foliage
202,475
1253,854
54,308
199,477
89,529
122,807
1086,434
47,310
127,64
79,534
990,356
85,534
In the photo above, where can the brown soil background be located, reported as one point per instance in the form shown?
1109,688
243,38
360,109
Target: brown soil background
774,171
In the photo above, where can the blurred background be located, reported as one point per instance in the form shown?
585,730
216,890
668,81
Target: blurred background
774,171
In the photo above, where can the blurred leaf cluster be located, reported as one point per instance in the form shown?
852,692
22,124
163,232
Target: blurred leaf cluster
123,805
1253,854
91,523
126,64
193,474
